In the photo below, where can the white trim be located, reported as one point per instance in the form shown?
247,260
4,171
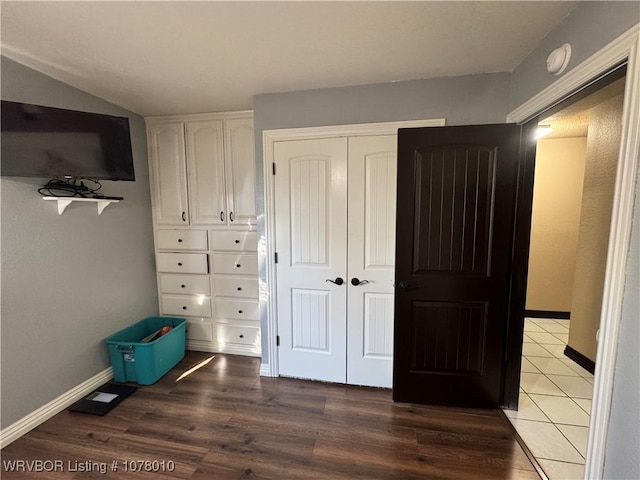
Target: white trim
265,370
624,47
55,406
266,251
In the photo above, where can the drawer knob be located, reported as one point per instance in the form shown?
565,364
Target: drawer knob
238,265
239,289
241,336
184,308
237,241
179,264
239,311
179,240
183,286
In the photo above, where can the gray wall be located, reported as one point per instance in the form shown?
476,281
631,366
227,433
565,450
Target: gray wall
591,26
461,100
68,281
588,28
623,442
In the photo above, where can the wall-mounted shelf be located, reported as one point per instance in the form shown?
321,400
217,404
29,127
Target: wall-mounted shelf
64,202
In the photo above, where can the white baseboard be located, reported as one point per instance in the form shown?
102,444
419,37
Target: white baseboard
44,413
265,370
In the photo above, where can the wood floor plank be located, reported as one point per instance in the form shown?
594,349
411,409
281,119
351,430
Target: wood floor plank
223,421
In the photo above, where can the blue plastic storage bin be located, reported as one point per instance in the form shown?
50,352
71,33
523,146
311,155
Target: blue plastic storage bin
146,363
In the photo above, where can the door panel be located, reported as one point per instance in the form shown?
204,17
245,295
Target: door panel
454,196
454,231
311,235
371,258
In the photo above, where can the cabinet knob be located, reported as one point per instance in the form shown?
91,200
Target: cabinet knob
222,216
238,265
241,336
183,286
184,308
239,311
179,264
184,216
239,289
179,240
231,216
237,241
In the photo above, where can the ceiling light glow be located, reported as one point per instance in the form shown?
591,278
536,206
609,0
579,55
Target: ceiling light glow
543,130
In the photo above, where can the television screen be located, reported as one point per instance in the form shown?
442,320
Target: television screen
49,142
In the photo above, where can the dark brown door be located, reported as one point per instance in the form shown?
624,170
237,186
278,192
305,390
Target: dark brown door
456,196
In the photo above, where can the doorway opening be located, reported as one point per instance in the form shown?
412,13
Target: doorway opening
575,173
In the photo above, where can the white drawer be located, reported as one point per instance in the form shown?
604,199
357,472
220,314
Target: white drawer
237,334
182,262
185,284
181,239
234,241
185,305
230,286
239,309
240,264
199,329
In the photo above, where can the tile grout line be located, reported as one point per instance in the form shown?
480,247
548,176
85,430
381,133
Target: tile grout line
555,424
564,393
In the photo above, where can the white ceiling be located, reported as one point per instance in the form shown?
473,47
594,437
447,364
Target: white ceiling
158,58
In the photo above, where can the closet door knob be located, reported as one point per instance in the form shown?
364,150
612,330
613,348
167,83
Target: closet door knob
337,281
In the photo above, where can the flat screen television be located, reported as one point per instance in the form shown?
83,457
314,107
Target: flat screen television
47,142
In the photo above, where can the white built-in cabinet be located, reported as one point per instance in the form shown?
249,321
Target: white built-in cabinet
202,169
202,173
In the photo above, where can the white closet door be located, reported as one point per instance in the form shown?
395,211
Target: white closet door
311,241
371,257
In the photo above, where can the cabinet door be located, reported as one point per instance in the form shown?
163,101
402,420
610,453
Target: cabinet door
168,173
240,170
205,163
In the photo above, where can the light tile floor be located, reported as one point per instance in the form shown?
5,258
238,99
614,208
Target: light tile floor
555,400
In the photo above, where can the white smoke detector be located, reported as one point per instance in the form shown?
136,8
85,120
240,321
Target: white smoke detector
558,60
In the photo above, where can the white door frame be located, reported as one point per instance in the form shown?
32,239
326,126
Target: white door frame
625,47
267,244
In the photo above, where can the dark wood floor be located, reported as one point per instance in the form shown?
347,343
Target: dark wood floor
225,422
